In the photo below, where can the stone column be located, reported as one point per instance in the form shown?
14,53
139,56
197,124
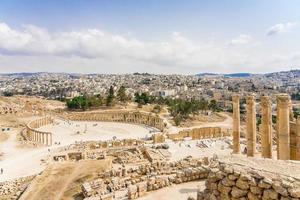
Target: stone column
251,126
47,137
39,137
266,132
283,127
298,139
236,123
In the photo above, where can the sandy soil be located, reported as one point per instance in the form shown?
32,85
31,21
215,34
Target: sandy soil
66,133
176,192
3,137
183,149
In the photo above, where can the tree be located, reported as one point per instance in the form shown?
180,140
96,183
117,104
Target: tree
110,97
122,94
296,112
78,103
7,94
143,99
213,105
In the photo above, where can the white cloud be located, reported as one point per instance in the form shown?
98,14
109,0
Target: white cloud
242,39
32,48
280,28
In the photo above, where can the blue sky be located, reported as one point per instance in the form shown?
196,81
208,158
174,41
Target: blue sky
157,36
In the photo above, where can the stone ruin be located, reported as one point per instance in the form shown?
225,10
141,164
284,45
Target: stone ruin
200,133
141,179
227,180
287,129
31,134
126,151
120,116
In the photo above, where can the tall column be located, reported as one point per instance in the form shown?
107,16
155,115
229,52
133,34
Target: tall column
236,123
47,136
50,139
283,127
251,126
266,132
298,139
39,137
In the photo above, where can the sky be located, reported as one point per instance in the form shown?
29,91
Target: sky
154,36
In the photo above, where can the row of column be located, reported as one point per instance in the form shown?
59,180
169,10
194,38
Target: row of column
44,138
122,117
283,126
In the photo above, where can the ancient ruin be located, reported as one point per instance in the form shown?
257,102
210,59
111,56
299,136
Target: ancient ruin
266,132
236,124
127,117
31,133
137,164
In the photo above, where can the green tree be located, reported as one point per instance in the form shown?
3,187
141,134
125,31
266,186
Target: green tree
110,97
79,102
121,95
213,105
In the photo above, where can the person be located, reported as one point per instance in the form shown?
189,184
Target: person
245,150
1,171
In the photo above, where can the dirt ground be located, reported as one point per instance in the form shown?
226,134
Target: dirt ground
202,119
176,192
3,137
62,181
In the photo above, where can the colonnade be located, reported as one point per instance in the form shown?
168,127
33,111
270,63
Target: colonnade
199,133
284,136
128,117
36,136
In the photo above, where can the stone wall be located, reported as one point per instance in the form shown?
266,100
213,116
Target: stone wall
93,149
145,178
227,181
199,133
38,137
120,116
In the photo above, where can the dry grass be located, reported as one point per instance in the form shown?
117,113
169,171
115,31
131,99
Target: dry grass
62,181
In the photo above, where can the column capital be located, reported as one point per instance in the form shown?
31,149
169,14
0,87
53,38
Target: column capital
283,100
265,101
250,100
235,97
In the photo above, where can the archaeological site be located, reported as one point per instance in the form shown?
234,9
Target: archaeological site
130,153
